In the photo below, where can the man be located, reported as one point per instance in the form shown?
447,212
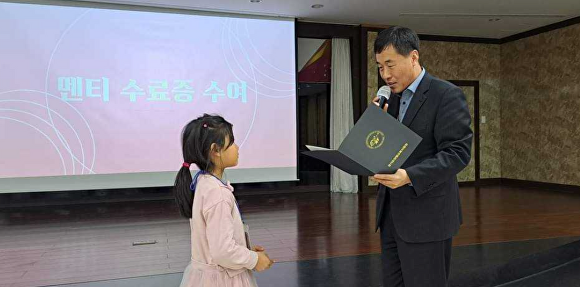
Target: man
418,207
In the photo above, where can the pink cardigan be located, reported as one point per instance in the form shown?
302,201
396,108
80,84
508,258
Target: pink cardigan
217,231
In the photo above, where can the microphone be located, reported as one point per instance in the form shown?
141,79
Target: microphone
384,93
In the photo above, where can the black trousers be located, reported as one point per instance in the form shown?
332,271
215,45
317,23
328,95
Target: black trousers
412,264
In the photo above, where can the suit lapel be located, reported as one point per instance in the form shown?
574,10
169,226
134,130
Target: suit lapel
418,99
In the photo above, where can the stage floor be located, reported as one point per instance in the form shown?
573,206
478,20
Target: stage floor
63,244
364,270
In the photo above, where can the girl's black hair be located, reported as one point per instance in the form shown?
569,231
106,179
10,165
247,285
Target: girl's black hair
196,140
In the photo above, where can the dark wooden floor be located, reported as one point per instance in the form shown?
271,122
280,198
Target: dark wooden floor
87,242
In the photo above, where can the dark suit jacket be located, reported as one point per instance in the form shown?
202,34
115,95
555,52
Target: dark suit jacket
430,210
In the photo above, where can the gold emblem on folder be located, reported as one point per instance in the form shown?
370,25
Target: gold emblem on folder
375,139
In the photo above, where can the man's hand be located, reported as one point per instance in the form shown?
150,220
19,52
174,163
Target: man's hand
377,100
392,181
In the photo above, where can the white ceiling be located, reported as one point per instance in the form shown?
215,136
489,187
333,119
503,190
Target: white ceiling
469,18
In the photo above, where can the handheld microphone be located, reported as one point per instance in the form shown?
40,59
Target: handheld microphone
384,93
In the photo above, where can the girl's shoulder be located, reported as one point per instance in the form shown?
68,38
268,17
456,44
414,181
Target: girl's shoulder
212,191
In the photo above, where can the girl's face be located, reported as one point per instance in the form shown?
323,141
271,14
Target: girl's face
227,157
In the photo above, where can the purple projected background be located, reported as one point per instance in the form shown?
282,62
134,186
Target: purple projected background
93,91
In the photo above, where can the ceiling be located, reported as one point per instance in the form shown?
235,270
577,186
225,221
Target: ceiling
467,18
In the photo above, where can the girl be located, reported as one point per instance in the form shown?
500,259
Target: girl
219,256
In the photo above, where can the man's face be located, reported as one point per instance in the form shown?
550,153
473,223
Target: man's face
397,70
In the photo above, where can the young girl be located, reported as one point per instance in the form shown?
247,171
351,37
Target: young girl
219,256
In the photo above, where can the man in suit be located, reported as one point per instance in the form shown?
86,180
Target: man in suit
418,207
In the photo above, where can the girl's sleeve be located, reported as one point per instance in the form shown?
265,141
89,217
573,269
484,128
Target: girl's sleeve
220,237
